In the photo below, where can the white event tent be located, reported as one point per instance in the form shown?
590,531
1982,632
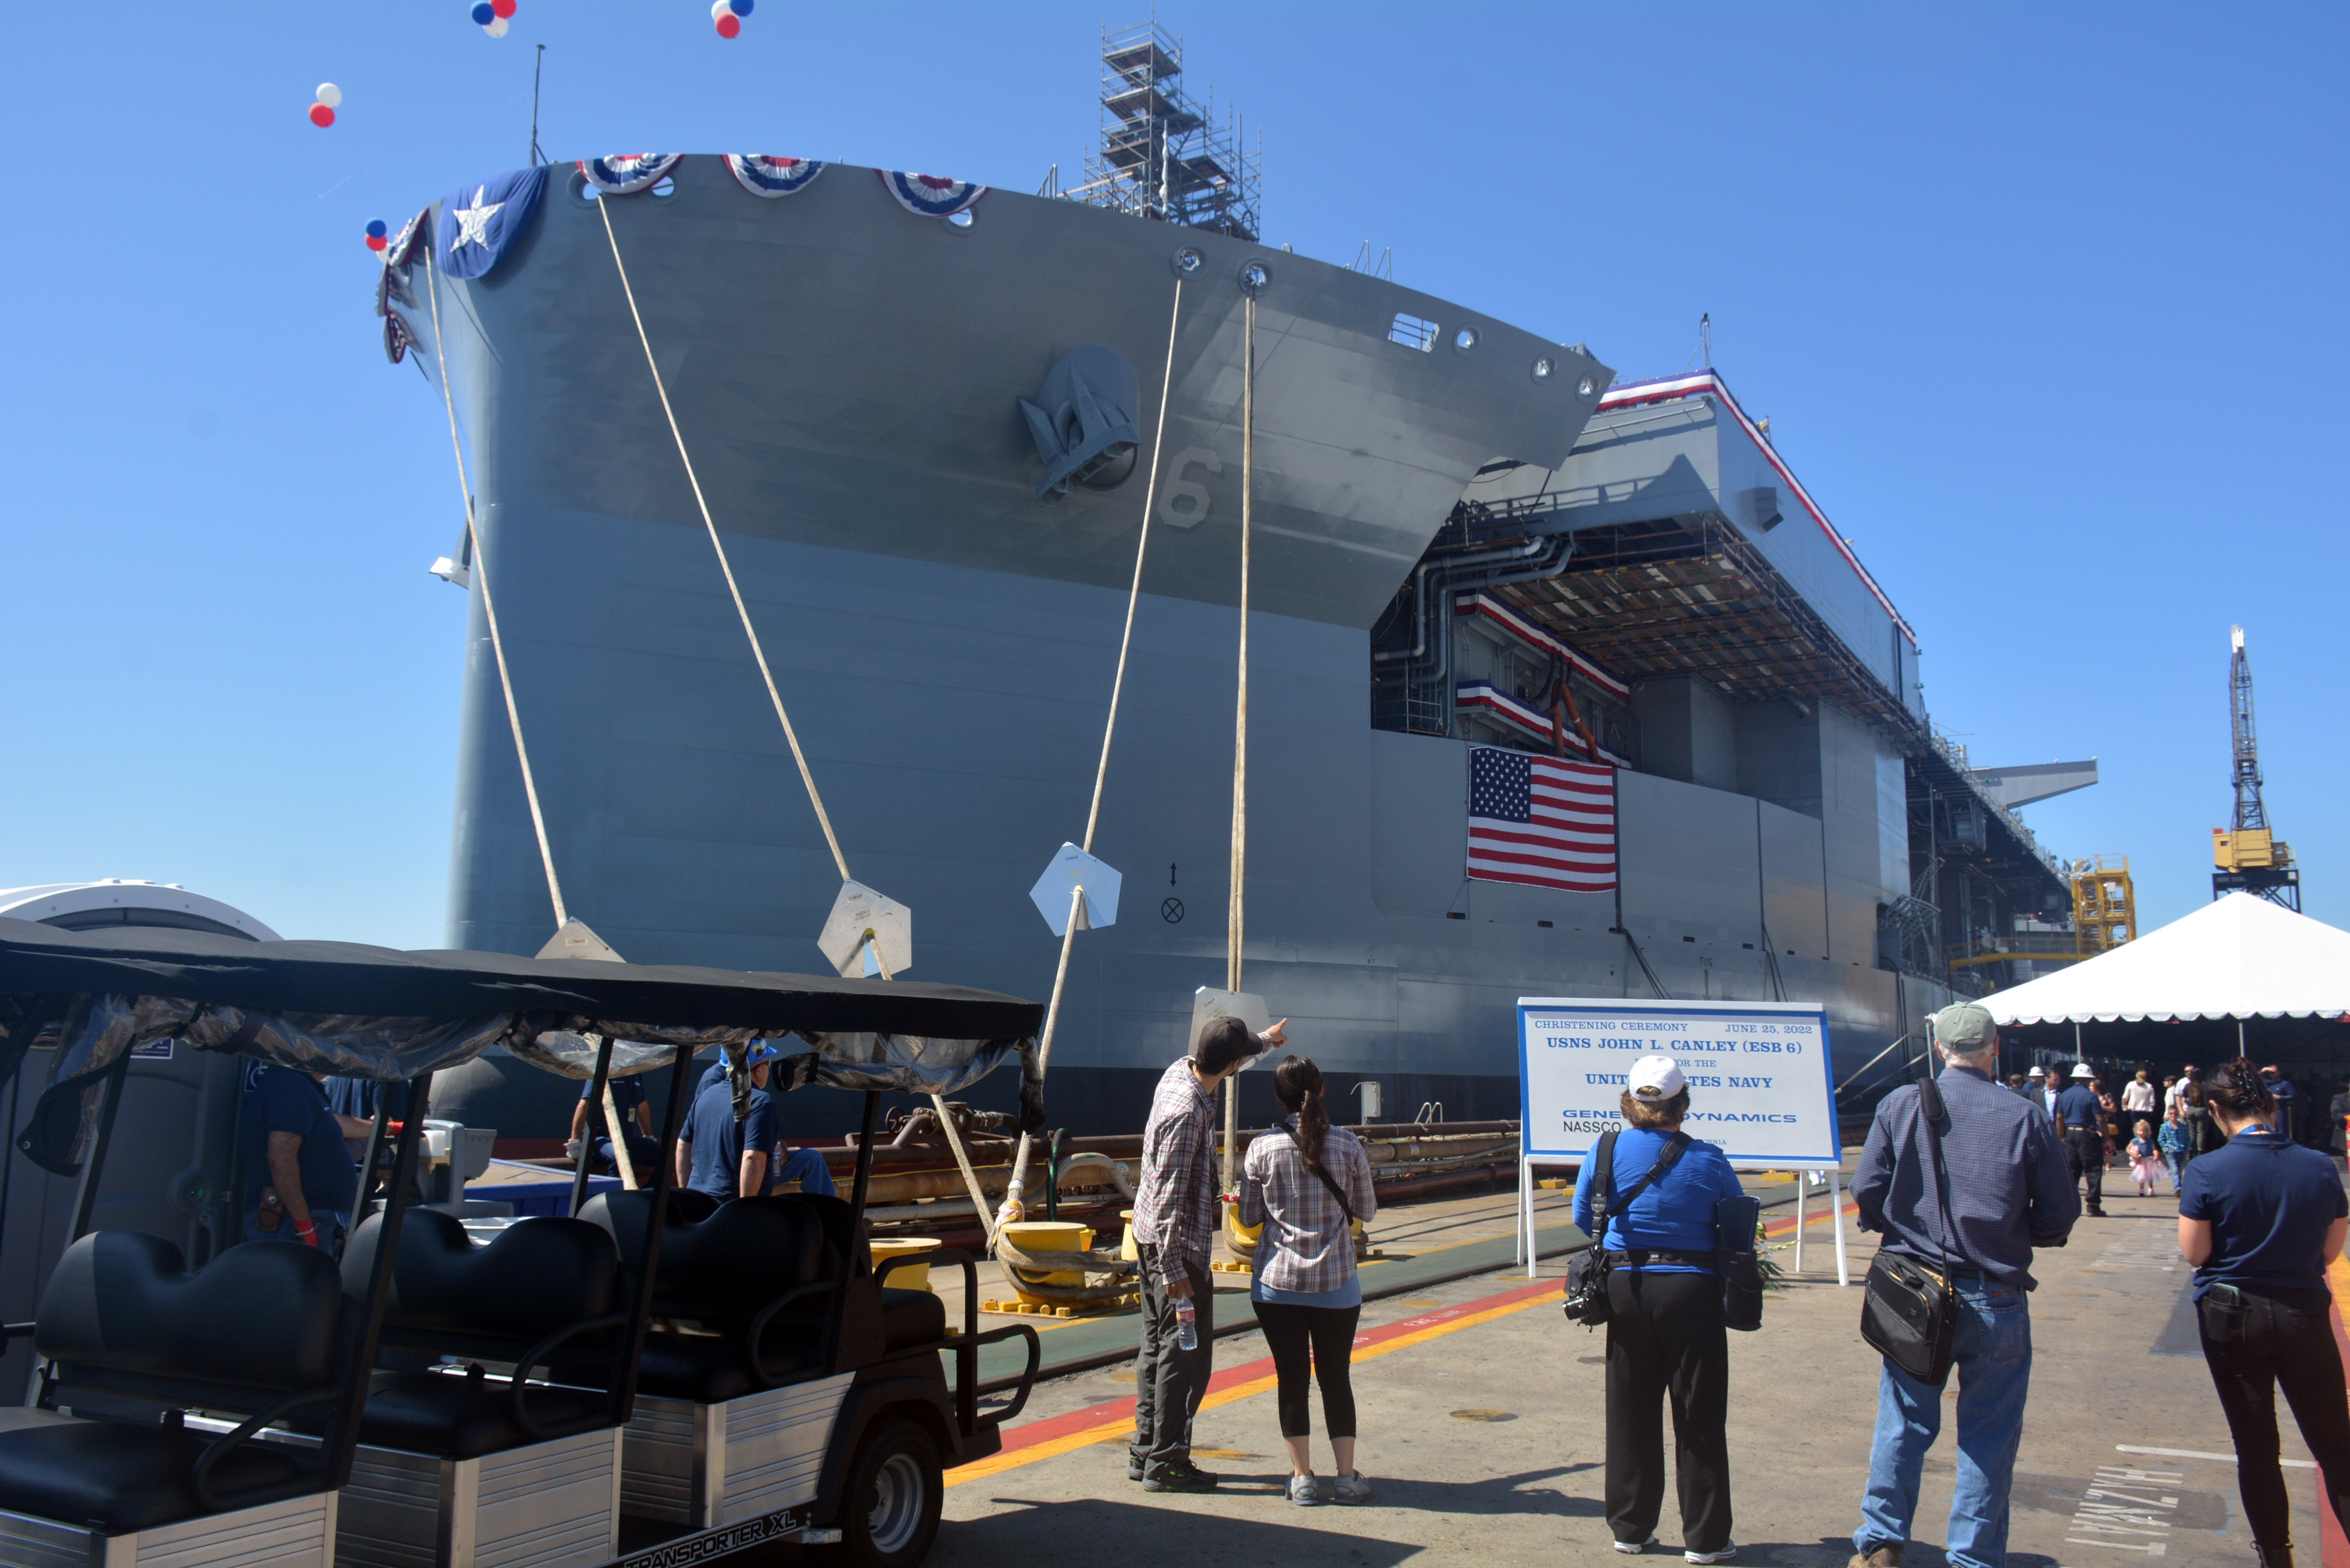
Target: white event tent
2240,957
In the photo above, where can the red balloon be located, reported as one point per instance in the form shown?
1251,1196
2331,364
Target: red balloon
377,241
502,7
729,25
321,116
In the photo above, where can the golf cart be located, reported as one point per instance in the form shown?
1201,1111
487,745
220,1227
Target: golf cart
659,1378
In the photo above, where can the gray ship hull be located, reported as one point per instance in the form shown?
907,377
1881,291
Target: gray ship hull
946,642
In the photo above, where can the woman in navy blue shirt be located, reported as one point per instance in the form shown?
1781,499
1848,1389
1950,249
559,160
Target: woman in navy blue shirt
2261,1219
1665,1332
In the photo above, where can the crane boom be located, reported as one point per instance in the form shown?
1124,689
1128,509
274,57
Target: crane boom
2249,810
2246,856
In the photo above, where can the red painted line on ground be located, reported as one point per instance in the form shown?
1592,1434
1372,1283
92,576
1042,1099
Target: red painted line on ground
1786,1226
1030,1433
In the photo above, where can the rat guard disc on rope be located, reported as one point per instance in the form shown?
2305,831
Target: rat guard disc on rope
1072,868
857,911
575,940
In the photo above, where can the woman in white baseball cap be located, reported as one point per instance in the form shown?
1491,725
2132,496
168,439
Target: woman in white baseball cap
1665,1331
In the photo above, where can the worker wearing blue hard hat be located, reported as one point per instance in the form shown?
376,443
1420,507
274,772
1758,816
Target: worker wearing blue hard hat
732,1145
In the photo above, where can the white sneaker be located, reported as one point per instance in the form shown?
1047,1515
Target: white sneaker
1634,1548
1356,1488
1302,1492
1729,1549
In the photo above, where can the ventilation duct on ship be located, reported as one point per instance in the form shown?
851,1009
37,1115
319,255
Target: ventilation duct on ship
1083,420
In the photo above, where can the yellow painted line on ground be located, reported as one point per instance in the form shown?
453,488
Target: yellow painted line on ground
1118,1428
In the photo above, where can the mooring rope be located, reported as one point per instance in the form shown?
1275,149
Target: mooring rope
758,652
1019,1179
1236,924
490,606
816,798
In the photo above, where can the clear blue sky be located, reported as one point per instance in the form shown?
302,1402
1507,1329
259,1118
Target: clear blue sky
2042,302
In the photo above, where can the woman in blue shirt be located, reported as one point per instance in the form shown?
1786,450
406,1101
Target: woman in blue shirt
1665,1332
2261,1219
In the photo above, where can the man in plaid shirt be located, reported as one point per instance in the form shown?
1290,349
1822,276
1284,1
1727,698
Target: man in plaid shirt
1174,1227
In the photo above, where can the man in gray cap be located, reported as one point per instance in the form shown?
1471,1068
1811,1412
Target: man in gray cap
2007,1193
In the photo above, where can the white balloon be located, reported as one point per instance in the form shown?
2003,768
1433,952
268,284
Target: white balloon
497,28
330,95
721,9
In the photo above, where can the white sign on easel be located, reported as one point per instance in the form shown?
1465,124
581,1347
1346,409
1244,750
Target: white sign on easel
1761,1087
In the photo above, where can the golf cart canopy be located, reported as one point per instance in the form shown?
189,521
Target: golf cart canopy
380,1014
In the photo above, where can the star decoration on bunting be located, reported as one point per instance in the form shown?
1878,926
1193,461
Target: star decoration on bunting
474,221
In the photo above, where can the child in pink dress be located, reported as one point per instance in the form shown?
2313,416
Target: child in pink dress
2146,1159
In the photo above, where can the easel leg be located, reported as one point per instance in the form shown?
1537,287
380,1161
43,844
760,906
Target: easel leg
1836,1218
1803,1191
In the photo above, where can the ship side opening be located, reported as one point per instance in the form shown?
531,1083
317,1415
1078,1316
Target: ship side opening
1668,601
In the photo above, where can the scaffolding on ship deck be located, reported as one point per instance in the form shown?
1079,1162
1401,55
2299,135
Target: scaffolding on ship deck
1163,154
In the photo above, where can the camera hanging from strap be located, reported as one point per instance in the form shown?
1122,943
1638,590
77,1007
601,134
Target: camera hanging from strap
1586,1273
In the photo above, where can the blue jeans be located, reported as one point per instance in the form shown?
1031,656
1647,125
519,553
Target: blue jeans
1994,1371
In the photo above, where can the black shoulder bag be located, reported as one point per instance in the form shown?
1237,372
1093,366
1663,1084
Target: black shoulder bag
1586,1271
1335,1190
1909,1311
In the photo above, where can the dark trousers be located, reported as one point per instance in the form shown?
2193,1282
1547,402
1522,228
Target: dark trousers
2085,1155
1169,1380
2285,1338
1328,1332
1665,1337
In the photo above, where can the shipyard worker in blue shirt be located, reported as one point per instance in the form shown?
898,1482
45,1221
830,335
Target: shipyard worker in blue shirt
590,1135
1664,1332
301,1183
2007,1193
2085,1135
786,1166
726,1150
2261,1217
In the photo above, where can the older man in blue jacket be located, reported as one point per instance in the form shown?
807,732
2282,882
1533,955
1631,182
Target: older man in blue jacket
2008,1193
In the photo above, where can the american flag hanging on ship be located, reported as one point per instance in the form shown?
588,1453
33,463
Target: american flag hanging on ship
1541,822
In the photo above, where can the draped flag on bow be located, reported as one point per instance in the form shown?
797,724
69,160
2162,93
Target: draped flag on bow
763,174
626,173
932,195
1539,821
475,227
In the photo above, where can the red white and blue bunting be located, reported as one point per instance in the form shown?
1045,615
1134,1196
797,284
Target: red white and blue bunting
932,195
626,173
1484,698
1485,606
763,174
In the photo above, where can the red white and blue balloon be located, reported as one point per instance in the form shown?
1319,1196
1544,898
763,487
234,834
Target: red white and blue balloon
329,99
763,174
932,195
626,173
727,16
379,236
492,15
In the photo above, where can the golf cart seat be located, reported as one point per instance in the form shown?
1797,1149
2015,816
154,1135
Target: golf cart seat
541,1284
260,1332
728,1281
908,1318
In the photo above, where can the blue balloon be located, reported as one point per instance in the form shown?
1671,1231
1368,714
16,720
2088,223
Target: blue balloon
485,14
742,7
378,228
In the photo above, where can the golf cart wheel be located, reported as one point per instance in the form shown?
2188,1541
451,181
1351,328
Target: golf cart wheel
889,1514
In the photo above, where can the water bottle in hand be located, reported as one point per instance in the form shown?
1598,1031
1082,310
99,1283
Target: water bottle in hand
1187,1326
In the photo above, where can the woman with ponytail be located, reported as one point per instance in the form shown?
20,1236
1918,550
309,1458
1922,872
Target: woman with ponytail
2261,1219
1305,1181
